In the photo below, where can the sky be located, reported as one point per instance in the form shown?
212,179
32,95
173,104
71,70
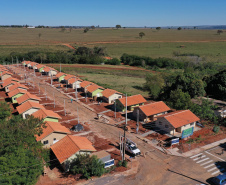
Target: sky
108,13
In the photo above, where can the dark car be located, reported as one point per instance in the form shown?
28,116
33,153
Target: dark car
219,180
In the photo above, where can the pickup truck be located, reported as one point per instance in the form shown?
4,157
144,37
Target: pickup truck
131,147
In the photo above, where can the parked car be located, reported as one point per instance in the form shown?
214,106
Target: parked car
220,179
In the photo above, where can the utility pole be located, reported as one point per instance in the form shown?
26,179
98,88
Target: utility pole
77,113
51,80
54,99
137,129
115,108
45,93
76,92
39,88
64,108
60,67
124,144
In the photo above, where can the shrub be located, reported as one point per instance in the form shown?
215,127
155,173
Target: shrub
120,163
124,163
216,129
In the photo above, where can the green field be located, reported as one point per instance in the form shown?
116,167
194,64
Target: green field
126,80
206,43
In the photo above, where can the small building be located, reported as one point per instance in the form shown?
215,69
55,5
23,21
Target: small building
52,72
7,84
60,76
94,90
26,63
176,122
105,157
5,75
33,64
84,85
75,83
68,77
52,133
28,108
16,94
46,115
67,148
28,97
45,71
17,86
110,95
132,101
39,68
149,111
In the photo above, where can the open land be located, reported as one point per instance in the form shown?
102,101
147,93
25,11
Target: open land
162,43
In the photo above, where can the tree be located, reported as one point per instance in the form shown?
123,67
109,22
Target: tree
118,26
158,28
154,85
21,156
219,32
86,30
70,29
5,110
216,85
179,100
141,34
63,29
92,27
87,166
179,28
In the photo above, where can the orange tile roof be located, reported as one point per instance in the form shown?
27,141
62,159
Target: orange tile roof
6,72
70,145
27,62
154,108
51,127
40,66
93,87
43,113
108,92
180,118
5,84
28,105
67,77
132,100
17,85
85,83
72,80
3,69
16,91
60,74
26,97
46,69
33,63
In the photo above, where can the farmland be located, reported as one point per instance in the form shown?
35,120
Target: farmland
162,43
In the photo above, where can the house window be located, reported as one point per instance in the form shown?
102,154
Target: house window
54,139
166,126
14,98
46,142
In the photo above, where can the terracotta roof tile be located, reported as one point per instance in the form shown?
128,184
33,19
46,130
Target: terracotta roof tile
6,83
93,87
28,105
51,127
67,77
60,74
46,69
43,113
180,118
85,83
70,145
26,97
154,108
109,92
6,72
132,100
17,85
16,91
39,66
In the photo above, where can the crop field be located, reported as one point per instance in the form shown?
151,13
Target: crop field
162,43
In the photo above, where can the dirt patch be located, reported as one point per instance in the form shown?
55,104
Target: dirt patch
157,136
201,137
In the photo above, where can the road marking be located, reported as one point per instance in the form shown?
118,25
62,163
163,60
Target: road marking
215,172
212,169
195,155
206,162
202,160
201,156
215,156
208,166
